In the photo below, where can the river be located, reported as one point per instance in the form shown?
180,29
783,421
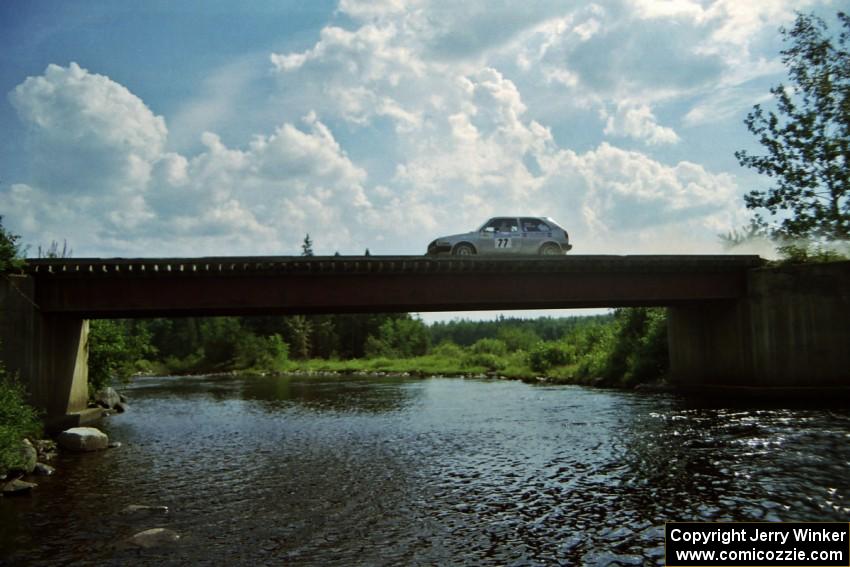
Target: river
440,471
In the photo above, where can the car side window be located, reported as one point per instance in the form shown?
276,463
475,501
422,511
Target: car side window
503,224
509,225
534,225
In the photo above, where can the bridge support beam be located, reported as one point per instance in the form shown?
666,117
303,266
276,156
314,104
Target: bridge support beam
791,332
48,353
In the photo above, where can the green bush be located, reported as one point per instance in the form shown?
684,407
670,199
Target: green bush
518,338
17,421
116,352
399,338
447,349
546,355
381,363
631,351
489,346
220,337
187,364
651,358
593,364
267,354
488,361
107,353
376,348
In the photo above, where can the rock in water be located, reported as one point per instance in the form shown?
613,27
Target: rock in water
43,470
29,456
145,509
17,487
83,439
107,398
44,447
154,537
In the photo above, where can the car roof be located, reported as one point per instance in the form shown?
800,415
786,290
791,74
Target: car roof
547,219
518,217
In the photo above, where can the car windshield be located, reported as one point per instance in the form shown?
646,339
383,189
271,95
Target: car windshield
552,222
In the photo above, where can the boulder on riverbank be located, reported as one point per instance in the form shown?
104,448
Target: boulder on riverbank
83,439
29,457
107,398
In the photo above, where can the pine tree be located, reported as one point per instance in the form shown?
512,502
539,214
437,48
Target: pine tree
307,246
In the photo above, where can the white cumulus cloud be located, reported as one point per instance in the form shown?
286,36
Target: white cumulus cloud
638,121
79,118
117,187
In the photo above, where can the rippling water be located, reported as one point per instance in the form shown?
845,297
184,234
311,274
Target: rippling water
343,471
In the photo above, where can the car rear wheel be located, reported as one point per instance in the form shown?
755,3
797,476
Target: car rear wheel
463,249
550,249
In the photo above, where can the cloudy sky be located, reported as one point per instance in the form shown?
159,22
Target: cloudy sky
213,127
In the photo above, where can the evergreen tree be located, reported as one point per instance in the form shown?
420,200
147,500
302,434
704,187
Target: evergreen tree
807,138
299,333
307,246
299,328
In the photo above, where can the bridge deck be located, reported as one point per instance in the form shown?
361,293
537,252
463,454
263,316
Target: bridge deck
151,287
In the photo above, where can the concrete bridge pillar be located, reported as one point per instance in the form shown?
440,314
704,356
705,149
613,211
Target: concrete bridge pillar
48,353
791,331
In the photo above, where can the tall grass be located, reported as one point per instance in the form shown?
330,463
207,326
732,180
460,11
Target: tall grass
17,421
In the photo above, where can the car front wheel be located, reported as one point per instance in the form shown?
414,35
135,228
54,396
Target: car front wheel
550,249
463,249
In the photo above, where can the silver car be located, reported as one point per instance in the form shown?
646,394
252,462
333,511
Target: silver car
507,236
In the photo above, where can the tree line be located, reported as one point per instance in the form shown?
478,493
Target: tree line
120,348
624,348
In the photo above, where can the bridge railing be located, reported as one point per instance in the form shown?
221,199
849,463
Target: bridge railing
150,267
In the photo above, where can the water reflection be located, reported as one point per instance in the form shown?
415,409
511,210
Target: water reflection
763,464
211,387
341,471
330,393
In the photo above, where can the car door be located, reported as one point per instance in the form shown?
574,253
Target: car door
534,233
506,238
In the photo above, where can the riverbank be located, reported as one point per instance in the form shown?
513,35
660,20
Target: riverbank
26,450
510,367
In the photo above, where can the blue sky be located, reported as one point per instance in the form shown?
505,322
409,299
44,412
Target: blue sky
164,128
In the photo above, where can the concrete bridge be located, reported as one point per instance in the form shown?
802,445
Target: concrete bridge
732,321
